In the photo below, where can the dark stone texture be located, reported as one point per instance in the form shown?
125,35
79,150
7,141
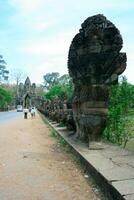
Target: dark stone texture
94,64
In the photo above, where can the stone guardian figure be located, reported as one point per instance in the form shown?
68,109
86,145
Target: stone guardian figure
94,63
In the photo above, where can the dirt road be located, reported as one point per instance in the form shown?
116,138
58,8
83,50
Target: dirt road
33,167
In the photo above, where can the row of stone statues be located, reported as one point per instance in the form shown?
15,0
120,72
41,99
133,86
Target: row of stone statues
58,111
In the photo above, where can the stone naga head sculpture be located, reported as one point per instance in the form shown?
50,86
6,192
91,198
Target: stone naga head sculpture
94,63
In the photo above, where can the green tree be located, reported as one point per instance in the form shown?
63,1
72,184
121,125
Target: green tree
65,80
58,86
59,91
50,79
55,91
3,71
5,98
120,106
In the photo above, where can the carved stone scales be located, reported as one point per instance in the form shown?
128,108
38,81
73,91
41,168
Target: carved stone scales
94,64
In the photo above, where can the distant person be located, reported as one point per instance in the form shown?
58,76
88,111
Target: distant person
25,113
33,112
29,109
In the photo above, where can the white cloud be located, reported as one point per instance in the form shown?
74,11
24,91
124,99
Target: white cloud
50,54
41,26
54,7
52,46
31,15
57,64
28,6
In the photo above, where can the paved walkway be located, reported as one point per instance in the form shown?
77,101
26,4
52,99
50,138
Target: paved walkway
34,167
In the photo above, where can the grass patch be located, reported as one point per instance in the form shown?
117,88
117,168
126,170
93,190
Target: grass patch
55,135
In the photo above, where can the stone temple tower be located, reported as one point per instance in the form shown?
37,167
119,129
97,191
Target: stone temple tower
26,93
27,86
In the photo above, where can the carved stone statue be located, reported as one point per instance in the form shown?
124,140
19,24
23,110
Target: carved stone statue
94,63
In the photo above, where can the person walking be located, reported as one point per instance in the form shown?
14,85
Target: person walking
32,112
25,113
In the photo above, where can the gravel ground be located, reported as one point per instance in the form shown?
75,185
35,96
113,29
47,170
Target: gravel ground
33,166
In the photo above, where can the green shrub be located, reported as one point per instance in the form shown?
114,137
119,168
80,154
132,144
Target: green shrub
119,123
5,98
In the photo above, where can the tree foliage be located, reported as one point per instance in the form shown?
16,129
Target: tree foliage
5,97
121,103
64,79
60,87
3,71
50,79
59,91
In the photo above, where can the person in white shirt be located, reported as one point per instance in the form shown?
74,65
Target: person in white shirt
33,112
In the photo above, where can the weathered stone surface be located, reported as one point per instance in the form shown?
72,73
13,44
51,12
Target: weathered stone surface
94,63
129,197
125,187
26,93
118,172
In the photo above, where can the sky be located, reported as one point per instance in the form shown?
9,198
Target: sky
35,35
